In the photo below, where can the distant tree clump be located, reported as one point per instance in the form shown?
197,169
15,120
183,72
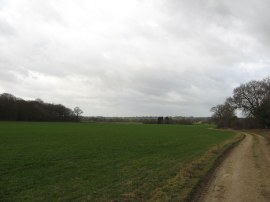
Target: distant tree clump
167,120
160,120
252,99
224,115
78,112
16,109
176,120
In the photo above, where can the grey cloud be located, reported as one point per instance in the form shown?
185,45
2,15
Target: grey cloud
133,58
6,29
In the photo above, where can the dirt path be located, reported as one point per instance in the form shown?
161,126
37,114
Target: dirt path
244,175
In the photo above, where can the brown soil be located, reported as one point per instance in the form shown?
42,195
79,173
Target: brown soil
244,175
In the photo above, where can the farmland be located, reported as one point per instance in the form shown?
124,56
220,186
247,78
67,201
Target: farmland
98,162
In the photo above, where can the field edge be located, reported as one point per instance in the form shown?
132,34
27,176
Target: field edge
187,184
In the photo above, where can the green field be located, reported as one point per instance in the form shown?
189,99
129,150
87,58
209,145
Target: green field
97,162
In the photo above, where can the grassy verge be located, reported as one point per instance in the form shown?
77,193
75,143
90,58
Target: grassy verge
189,178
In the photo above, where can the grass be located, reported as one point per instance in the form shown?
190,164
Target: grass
99,162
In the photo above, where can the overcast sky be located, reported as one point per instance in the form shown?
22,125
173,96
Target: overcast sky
133,57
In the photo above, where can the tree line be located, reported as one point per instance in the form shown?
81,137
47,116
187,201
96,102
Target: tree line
252,99
16,109
148,120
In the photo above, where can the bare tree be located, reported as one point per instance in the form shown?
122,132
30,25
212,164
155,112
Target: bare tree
248,97
266,88
224,115
78,112
252,96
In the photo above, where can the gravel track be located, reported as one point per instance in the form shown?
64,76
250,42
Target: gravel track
244,175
